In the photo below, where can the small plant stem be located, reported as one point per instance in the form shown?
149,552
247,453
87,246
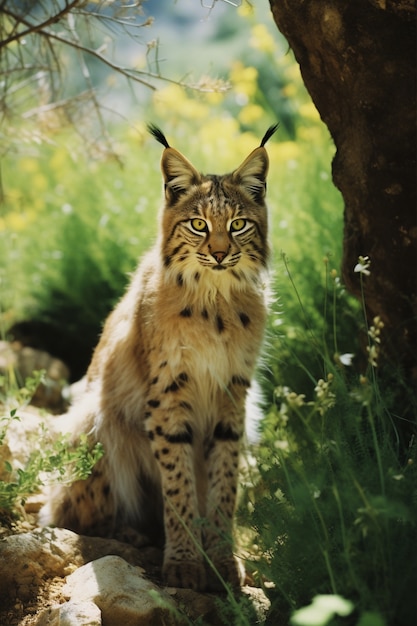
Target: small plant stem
335,346
329,569
377,450
326,276
376,392
306,320
344,538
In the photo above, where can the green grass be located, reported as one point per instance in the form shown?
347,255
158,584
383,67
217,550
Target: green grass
333,507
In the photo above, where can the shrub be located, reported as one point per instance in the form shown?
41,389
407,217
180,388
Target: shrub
51,459
334,507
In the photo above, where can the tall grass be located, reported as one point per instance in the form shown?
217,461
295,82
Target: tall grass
334,506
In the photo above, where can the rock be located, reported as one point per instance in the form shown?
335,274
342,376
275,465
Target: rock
28,559
24,360
121,592
259,600
107,582
71,614
22,433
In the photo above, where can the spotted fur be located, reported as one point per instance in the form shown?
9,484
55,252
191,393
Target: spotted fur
166,388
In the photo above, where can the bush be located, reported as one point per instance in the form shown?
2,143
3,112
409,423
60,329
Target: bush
51,459
334,507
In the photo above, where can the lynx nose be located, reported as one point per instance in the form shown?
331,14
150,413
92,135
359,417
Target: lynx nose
219,256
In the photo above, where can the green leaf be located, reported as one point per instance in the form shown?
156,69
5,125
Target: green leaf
371,619
321,611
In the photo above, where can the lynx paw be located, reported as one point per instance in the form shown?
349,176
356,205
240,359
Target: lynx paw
228,571
185,574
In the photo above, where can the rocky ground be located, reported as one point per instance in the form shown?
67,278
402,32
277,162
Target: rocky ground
51,577
54,577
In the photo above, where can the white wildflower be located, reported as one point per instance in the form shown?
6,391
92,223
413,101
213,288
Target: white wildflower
362,266
373,354
345,359
326,399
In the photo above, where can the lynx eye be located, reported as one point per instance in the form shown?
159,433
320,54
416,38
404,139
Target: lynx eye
199,225
237,225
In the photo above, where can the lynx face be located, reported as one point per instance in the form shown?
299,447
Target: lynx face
218,229
215,224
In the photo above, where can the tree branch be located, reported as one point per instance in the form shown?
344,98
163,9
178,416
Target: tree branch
34,28
40,30
91,52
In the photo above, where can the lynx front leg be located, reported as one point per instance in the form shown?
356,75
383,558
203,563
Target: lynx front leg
172,439
223,468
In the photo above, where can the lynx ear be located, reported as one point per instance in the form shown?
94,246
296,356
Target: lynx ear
251,175
179,175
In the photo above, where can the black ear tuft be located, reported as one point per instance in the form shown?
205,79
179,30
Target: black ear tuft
158,134
271,130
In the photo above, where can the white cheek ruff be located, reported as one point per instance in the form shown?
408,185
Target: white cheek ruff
254,415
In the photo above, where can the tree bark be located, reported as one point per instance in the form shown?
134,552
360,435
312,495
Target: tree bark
358,61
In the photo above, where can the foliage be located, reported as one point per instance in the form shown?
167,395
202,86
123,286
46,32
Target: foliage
334,508
52,459
321,611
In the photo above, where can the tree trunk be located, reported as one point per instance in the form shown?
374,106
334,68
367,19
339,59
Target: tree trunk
357,59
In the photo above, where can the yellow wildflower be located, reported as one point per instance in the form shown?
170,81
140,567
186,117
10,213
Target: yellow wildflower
175,100
284,151
250,113
289,90
39,183
15,221
29,165
261,39
214,97
244,79
246,10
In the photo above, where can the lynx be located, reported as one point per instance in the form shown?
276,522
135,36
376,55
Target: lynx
166,388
